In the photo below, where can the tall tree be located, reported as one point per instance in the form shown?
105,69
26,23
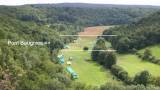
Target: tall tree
110,59
142,78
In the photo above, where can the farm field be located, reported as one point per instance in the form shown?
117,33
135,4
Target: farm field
155,50
132,64
89,72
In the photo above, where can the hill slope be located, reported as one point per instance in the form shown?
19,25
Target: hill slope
137,35
34,67
89,5
30,67
92,14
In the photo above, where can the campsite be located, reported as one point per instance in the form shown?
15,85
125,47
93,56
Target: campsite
89,72
82,65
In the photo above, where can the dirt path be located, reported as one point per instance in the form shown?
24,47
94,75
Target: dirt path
96,31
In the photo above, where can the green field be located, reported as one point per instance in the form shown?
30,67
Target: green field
132,64
155,50
89,72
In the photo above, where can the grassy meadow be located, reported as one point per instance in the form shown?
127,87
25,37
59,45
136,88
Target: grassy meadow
155,50
132,64
89,72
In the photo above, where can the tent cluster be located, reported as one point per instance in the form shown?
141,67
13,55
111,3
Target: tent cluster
61,59
69,68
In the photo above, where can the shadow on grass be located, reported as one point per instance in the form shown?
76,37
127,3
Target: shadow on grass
97,64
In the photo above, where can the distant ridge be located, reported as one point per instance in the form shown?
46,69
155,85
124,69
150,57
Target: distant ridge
89,5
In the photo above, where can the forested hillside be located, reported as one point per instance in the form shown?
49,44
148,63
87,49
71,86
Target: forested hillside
34,67
131,39
91,16
31,67
137,35
89,5
51,14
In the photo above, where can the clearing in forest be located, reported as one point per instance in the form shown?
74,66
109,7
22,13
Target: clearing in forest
133,65
89,72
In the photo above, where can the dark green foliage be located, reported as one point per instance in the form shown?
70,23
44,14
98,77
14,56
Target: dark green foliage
147,54
110,59
100,45
156,81
107,59
120,73
110,86
137,35
42,14
51,85
33,67
142,78
101,58
85,48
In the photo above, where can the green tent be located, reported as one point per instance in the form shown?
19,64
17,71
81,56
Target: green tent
66,47
61,59
71,71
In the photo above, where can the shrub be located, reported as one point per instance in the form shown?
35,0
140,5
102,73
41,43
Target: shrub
85,48
120,73
147,54
142,78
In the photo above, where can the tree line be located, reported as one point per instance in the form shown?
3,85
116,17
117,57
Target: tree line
33,68
108,60
135,36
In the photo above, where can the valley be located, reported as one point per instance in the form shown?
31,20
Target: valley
87,47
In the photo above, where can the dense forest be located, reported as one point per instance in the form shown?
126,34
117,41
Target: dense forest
91,16
137,35
31,67
78,16
35,67
131,38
